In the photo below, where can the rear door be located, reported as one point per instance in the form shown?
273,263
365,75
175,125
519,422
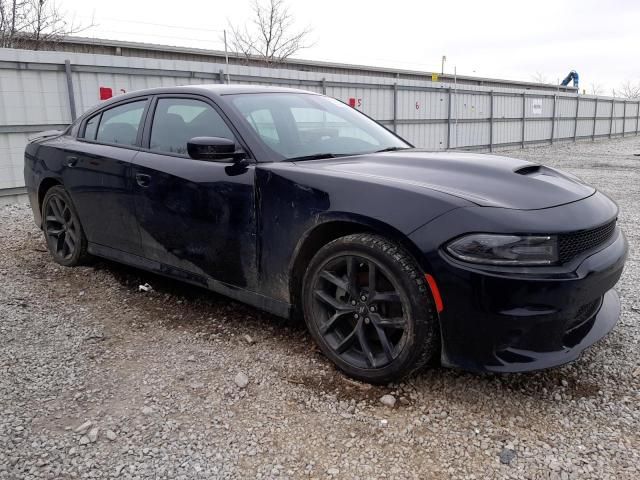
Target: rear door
98,174
195,216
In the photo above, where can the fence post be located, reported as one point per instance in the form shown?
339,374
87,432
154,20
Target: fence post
613,107
491,121
575,125
624,118
221,76
72,98
553,120
595,120
324,86
524,115
449,122
395,107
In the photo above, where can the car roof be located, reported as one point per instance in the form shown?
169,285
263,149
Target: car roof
211,90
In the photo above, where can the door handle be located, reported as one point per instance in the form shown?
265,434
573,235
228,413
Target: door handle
72,161
143,179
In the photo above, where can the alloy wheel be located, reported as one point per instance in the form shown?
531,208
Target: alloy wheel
359,311
61,229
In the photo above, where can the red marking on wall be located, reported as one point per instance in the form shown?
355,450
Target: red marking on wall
105,93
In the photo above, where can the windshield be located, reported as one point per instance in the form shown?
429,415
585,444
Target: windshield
297,125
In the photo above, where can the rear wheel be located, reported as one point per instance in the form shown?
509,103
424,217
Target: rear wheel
368,307
63,232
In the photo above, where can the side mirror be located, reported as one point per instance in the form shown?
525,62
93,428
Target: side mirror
214,149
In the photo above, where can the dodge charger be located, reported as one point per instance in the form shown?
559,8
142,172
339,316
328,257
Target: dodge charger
302,206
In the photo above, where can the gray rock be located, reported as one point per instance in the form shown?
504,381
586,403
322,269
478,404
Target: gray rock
388,400
82,429
84,440
147,410
241,380
507,456
249,339
93,435
111,435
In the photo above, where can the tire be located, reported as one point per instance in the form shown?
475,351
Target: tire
338,299
62,229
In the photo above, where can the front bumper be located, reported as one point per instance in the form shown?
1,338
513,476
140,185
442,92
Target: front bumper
514,323
508,320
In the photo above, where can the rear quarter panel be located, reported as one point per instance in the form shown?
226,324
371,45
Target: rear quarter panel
42,160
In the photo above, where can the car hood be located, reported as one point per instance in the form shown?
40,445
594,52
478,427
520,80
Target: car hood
486,180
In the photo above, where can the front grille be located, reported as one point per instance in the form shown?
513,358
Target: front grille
572,244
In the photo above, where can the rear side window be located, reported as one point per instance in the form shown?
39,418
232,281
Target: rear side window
92,127
177,120
121,124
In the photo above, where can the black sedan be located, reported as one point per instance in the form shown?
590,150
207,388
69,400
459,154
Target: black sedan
302,206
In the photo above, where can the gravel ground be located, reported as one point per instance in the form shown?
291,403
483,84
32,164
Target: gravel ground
100,380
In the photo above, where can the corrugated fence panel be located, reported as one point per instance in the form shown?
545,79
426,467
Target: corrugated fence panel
564,128
587,108
603,126
34,96
11,159
433,138
538,130
585,127
467,106
414,104
565,107
470,134
507,106
507,132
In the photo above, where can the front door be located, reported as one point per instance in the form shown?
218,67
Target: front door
194,216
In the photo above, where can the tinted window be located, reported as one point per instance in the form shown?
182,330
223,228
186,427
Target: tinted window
294,125
92,127
120,124
262,122
177,120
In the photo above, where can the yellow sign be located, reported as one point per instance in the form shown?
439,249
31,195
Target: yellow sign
434,77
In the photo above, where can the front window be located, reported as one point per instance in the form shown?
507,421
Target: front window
299,125
177,120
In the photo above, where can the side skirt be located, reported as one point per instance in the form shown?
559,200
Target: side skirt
262,302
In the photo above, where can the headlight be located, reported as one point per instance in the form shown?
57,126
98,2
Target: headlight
491,249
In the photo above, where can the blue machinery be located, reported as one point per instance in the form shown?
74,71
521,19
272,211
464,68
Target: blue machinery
573,75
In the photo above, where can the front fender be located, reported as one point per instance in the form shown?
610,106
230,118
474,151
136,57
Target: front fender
292,202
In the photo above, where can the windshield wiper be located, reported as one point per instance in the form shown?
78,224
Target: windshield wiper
391,149
315,156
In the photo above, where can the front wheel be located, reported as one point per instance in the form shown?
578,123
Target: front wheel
368,307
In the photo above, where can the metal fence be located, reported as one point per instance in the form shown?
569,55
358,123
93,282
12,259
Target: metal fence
47,90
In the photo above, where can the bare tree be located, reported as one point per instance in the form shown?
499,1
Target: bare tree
32,23
12,20
596,88
629,90
539,77
270,35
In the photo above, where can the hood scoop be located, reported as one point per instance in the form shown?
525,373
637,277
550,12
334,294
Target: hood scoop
529,170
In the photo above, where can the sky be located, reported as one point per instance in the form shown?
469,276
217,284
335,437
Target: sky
515,40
